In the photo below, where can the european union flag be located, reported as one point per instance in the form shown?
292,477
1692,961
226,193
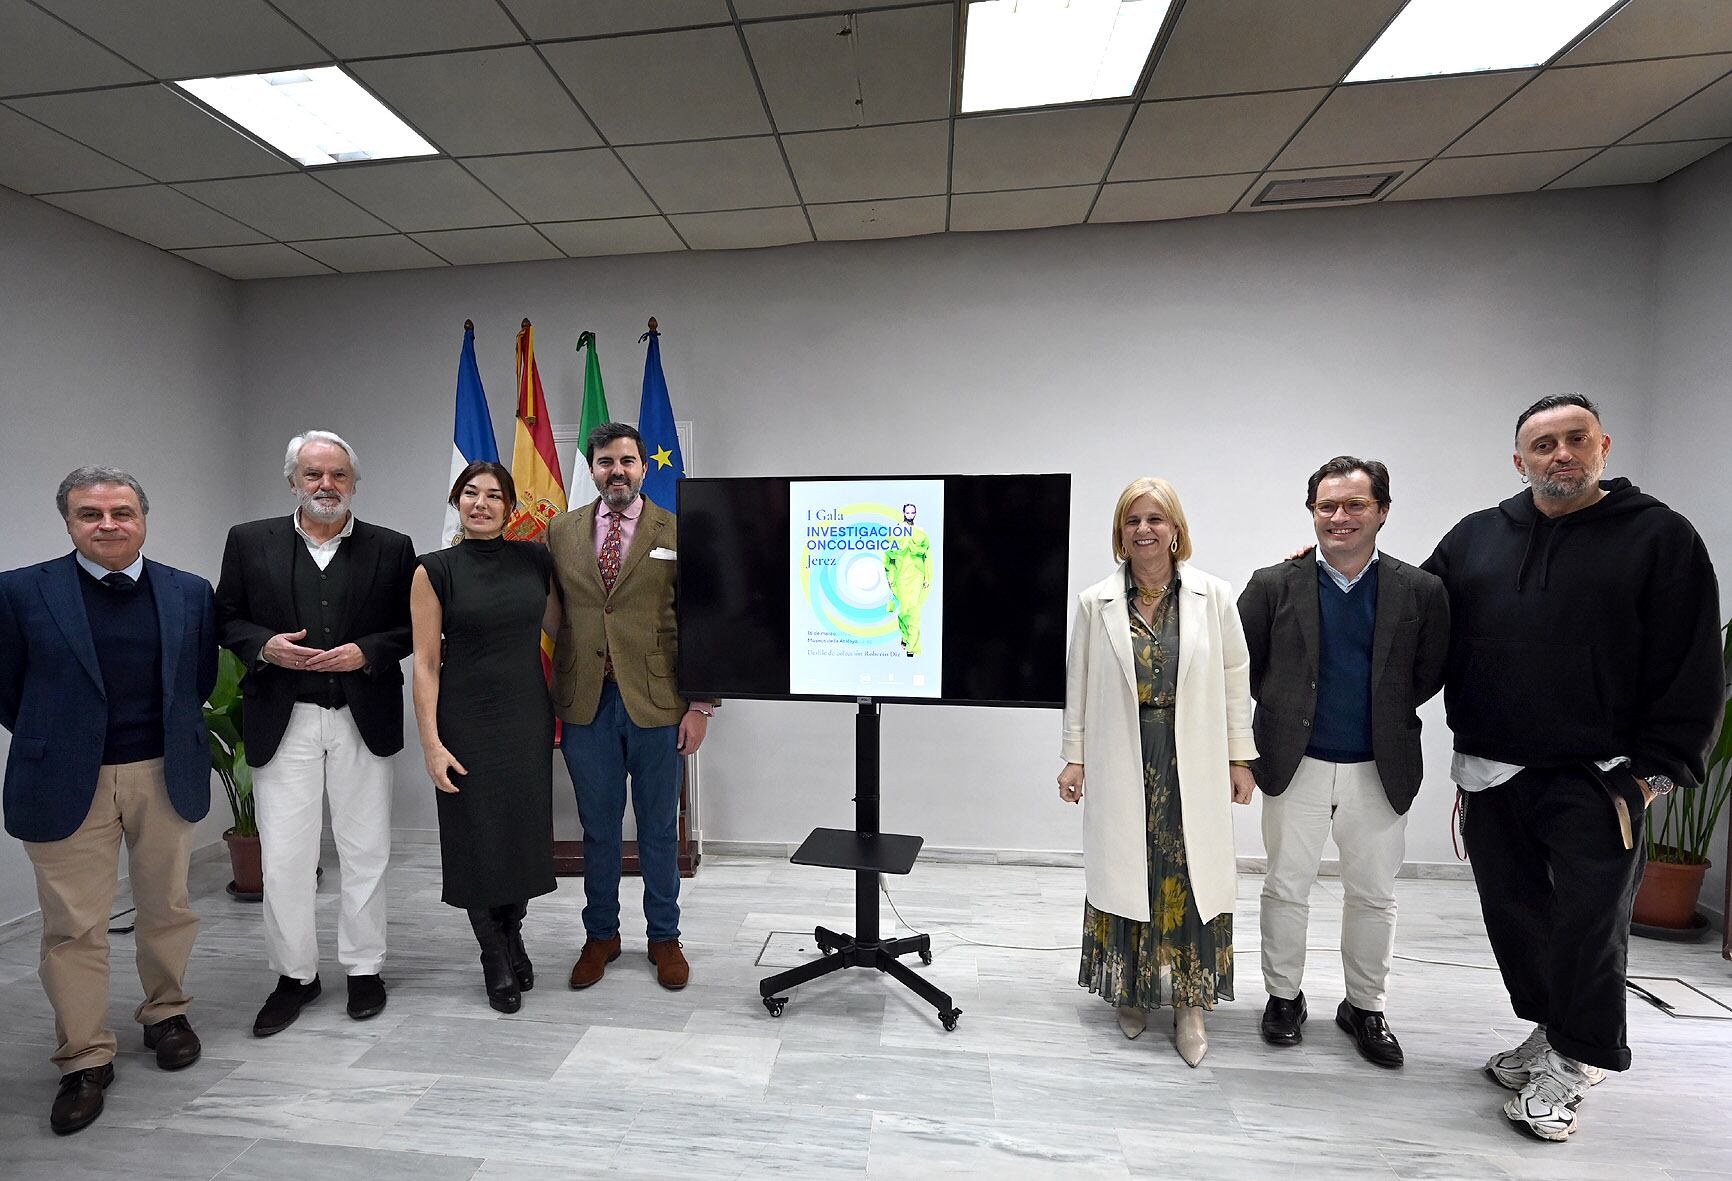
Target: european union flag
472,435
655,422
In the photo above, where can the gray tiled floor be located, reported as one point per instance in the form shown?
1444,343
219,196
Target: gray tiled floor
856,1079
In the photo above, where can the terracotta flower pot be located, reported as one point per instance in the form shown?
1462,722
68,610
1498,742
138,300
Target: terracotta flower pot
245,859
1667,895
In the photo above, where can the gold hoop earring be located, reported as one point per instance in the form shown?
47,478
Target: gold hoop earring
1175,546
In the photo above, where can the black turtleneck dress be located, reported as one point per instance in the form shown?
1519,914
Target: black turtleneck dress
495,717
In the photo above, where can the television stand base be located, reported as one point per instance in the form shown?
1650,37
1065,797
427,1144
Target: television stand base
845,951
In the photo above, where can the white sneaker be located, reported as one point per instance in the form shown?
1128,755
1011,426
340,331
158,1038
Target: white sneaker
1547,1105
1515,1068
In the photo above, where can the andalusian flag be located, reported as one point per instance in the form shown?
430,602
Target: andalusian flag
472,438
534,463
655,422
594,397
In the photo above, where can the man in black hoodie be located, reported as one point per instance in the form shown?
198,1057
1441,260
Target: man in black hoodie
1583,681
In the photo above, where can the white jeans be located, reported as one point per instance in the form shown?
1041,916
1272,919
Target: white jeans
323,755
1348,799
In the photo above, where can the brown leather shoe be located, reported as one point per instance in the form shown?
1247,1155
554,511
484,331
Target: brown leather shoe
79,1100
175,1043
672,971
592,963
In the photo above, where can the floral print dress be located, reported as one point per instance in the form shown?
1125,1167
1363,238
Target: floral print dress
1175,958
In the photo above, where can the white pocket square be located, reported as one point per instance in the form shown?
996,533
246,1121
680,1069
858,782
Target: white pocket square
666,555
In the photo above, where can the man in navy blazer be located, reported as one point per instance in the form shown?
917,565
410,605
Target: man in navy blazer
106,660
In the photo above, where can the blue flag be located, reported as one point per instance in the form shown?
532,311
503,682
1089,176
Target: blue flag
472,438
655,422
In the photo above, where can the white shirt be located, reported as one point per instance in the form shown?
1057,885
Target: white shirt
323,551
1476,773
1341,580
134,571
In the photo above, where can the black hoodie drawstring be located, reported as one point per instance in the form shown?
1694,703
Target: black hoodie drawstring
1545,554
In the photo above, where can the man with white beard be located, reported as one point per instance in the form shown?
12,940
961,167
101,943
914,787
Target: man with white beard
316,606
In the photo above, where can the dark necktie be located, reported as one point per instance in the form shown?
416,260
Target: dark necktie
609,560
118,581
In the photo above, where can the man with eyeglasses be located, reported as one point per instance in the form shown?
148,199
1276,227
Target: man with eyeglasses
1584,679
1345,646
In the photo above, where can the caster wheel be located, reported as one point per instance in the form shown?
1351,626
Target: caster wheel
926,957
948,1019
775,1004
826,949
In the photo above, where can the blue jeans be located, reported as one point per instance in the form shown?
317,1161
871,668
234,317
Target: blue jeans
599,756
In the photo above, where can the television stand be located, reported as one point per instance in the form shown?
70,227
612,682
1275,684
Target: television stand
869,853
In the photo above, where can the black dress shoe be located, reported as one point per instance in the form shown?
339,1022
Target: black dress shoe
366,997
1371,1034
175,1043
284,1005
1282,1019
79,1100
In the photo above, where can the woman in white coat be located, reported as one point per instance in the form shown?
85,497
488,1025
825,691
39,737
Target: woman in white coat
1157,717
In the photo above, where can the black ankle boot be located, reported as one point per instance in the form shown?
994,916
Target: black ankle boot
502,991
510,918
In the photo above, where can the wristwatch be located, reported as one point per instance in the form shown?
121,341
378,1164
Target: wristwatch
1661,785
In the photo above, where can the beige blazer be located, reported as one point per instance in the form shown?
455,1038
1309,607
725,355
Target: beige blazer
635,621
1213,726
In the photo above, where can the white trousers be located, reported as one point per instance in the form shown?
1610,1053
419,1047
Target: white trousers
1345,799
322,755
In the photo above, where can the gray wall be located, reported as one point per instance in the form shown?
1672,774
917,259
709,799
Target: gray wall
111,352
1693,358
1231,355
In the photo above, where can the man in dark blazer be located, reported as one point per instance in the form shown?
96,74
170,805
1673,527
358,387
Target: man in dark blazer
316,606
617,562
106,660
1346,643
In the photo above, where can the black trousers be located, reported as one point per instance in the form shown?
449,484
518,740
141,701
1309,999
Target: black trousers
1556,885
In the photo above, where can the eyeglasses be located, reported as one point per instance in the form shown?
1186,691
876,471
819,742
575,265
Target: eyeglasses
1357,507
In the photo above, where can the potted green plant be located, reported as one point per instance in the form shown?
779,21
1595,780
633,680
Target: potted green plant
228,758
1679,829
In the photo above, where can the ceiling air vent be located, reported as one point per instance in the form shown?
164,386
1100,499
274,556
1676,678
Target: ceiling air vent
1318,190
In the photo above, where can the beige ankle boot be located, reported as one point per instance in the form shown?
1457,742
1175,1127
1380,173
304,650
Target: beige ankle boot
1188,1036
1132,1021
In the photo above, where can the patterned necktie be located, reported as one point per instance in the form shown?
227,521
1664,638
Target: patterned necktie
609,562
119,581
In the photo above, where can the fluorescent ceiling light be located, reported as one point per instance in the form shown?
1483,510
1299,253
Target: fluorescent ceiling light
1469,36
1037,53
319,116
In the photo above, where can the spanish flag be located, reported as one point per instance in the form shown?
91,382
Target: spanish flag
534,462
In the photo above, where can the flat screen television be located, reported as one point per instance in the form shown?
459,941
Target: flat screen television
920,589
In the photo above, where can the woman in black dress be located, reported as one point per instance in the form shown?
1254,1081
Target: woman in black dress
486,721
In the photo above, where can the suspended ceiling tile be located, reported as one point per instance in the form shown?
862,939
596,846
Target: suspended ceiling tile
1657,28
494,244
1473,176
1036,149
1241,46
192,38
389,252
545,20
153,129
1705,115
1401,169
752,9
563,186
286,206
847,70
869,163
1374,121
903,218
379,27
712,174
743,229
39,52
663,86
1589,106
1207,136
1164,200
623,235
420,195
35,159
1021,209
268,260
158,215
1637,164
484,100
